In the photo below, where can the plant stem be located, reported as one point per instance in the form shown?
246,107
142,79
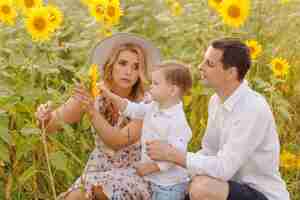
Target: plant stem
48,161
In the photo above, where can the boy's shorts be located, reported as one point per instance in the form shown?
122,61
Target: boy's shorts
173,192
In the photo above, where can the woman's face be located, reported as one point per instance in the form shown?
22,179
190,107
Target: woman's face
125,72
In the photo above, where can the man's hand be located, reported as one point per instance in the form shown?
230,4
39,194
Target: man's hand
160,151
143,169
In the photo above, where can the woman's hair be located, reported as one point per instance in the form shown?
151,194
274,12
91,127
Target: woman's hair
138,88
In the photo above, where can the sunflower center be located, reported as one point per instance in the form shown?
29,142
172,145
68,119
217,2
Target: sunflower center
29,3
252,50
99,10
234,11
278,66
218,1
39,23
111,11
5,9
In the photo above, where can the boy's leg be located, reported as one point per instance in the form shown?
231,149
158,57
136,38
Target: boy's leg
204,187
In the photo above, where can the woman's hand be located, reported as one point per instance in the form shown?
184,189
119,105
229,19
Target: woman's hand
85,98
143,169
44,114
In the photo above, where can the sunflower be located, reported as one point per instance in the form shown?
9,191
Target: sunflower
176,9
216,4
235,12
27,5
8,13
284,1
280,67
94,75
113,12
97,9
288,160
254,47
55,17
38,24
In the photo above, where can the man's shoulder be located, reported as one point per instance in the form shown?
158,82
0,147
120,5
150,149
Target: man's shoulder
254,102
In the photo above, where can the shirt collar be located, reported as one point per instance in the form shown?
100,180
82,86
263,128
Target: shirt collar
171,110
235,96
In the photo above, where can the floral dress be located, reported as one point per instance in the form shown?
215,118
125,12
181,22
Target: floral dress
112,170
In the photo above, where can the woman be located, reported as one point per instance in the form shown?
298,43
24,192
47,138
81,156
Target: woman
125,60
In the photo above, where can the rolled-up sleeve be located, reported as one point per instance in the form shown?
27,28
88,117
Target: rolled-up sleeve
136,110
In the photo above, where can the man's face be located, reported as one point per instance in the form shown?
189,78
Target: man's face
211,69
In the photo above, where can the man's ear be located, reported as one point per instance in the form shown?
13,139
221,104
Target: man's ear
233,73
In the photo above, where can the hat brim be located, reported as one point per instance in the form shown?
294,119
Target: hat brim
103,49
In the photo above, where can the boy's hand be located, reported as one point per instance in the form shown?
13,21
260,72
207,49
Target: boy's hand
104,90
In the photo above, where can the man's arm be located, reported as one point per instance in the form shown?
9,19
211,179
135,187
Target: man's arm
244,137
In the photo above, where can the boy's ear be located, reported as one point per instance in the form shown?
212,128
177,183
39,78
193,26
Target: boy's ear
175,91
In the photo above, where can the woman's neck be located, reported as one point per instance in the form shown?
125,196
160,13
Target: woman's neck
124,93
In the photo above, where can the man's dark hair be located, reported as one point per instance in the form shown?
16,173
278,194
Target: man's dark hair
235,54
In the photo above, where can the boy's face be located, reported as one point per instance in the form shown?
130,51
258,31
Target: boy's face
160,89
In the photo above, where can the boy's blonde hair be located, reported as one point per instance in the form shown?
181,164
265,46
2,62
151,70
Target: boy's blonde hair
178,74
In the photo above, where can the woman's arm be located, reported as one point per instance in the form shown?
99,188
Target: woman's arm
116,138
69,112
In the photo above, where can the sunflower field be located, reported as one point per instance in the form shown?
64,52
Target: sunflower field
45,46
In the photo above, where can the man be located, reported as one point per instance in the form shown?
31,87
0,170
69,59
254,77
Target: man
239,159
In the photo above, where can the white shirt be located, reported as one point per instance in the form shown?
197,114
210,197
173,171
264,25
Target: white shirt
167,125
241,144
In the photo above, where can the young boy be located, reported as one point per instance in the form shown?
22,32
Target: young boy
164,120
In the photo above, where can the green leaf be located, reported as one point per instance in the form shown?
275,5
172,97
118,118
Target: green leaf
26,175
4,153
30,131
4,133
59,160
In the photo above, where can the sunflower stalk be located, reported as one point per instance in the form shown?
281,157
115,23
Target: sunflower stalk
48,161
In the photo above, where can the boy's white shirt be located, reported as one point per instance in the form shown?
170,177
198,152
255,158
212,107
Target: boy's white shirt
167,125
241,144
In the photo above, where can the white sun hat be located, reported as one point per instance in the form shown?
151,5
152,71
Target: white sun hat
103,49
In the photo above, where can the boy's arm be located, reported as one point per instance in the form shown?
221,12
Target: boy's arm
143,169
120,102
126,107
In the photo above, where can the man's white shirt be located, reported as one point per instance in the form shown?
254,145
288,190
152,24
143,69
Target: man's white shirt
241,144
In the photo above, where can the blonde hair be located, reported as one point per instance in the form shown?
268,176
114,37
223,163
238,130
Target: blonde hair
138,88
178,74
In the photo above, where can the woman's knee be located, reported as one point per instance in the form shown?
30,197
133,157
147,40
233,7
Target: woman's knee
199,187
